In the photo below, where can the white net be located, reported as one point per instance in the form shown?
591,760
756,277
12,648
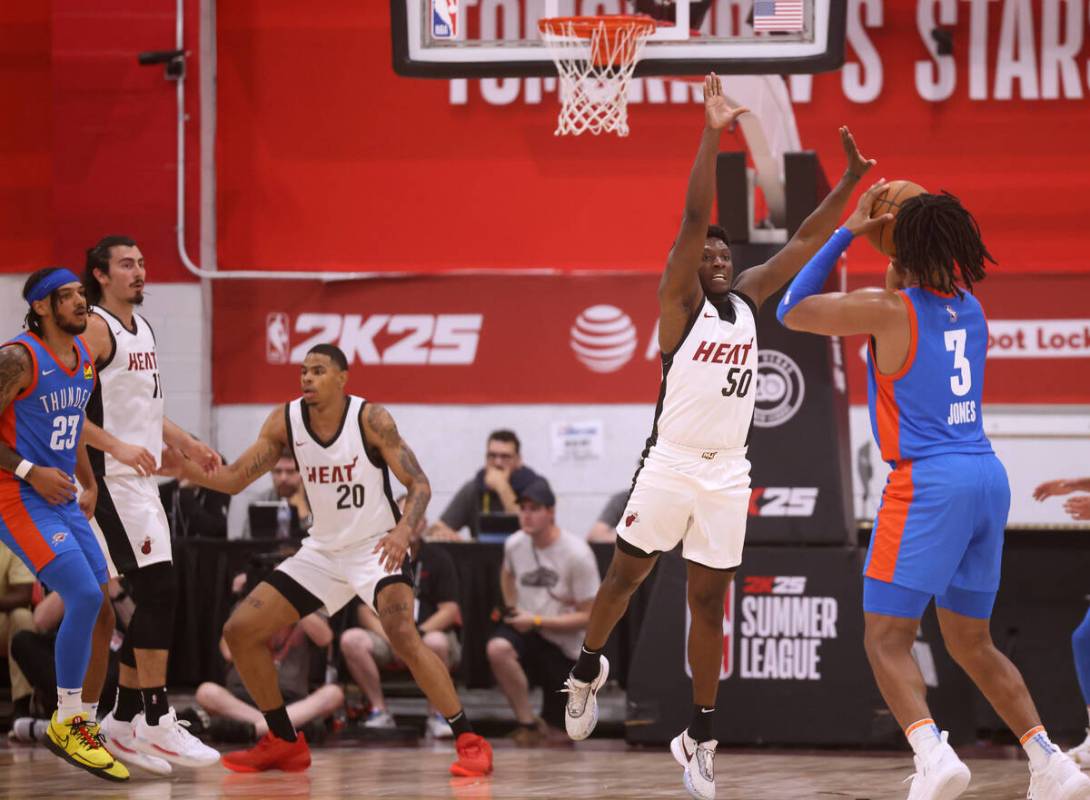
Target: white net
595,58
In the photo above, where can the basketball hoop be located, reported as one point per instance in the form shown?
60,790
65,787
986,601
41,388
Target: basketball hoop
595,57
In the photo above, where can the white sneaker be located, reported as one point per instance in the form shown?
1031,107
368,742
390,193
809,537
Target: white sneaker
119,741
1081,754
698,760
581,710
438,727
1061,779
380,718
171,740
940,775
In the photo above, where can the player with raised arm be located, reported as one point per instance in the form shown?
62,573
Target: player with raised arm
346,447
47,376
939,529
694,468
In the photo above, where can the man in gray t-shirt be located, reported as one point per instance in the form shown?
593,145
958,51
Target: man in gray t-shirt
549,579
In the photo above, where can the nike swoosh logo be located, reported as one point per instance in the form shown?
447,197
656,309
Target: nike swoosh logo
706,710
300,444
709,316
48,371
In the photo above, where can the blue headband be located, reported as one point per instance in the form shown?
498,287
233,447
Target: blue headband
50,283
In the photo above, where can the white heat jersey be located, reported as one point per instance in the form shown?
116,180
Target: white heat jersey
710,382
349,494
128,400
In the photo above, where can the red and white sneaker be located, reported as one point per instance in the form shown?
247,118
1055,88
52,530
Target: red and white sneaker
170,739
120,740
474,757
271,752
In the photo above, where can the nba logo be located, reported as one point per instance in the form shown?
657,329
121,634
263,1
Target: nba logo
276,338
444,19
727,668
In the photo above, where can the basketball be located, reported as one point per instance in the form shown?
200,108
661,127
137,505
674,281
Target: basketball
890,202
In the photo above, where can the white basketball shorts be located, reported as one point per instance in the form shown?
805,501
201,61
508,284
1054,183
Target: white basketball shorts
697,497
130,523
336,576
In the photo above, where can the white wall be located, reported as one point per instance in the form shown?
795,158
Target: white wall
176,312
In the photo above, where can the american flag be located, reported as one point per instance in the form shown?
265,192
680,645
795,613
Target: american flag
777,15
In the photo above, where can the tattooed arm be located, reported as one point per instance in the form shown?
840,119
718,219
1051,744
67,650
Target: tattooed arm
258,459
382,434
15,375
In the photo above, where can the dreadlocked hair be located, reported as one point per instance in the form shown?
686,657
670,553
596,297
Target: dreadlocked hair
939,242
33,320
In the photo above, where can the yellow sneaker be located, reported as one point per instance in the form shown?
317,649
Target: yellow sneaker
74,741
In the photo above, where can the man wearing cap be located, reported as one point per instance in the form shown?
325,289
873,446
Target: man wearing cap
549,579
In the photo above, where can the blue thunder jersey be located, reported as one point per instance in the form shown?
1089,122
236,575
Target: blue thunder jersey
932,405
44,422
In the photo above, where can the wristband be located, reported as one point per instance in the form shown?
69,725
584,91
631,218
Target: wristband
23,469
537,620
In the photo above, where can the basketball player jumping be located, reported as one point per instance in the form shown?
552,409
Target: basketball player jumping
126,431
46,379
939,530
692,485
346,447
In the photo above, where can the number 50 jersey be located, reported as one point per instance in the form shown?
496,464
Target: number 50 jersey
932,404
347,482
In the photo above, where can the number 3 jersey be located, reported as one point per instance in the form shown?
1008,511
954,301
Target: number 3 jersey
128,401
44,422
347,483
709,382
932,404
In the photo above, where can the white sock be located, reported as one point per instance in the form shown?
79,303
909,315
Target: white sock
924,736
69,703
1038,747
91,711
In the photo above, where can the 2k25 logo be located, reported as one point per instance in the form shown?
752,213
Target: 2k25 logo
783,501
774,584
425,338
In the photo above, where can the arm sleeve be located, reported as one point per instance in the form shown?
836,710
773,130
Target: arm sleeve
812,277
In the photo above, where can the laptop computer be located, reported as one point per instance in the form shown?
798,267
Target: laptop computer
263,520
496,527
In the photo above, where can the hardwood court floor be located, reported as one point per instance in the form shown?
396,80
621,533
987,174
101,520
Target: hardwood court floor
599,769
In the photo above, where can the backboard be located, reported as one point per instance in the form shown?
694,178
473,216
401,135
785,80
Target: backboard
499,38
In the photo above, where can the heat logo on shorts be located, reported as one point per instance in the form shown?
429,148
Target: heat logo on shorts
631,519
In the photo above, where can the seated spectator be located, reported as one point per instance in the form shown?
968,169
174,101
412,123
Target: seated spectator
16,586
493,490
549,579
33,650
366,649
287,485
194,510
293,649
605,529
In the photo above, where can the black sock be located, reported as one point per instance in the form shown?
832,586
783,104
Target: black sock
155,704
129,704
280,724
700,726
588,666
459,723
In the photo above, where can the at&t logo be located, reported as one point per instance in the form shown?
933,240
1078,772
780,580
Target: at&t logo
603,338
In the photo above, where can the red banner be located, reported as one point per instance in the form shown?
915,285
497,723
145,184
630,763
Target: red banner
568,339
328,160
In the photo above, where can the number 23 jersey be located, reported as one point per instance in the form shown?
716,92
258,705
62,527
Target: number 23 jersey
709,383
347,483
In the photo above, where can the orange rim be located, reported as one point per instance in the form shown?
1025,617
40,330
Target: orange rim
585,27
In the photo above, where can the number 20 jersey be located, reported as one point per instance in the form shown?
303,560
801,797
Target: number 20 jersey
932,404
347,483
709,383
